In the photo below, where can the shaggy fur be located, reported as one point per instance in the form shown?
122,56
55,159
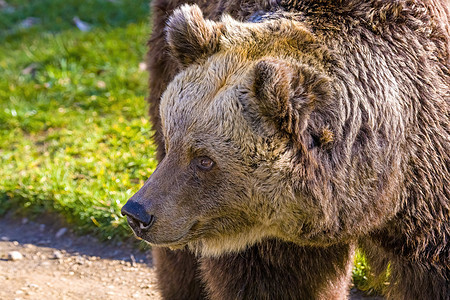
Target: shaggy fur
328,123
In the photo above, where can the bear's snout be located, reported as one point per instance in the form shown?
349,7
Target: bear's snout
137,216
157,212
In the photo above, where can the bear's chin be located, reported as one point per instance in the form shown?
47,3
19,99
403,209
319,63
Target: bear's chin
216,246
172,243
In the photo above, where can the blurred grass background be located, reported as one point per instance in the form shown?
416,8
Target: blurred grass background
74,133
75,140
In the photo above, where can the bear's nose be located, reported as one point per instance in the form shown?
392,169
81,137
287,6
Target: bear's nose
137,215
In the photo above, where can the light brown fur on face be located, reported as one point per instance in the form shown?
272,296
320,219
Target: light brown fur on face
214,95
327,122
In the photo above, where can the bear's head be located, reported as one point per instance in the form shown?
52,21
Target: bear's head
244,123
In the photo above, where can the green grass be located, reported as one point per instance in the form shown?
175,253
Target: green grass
74,133
365,280
75,139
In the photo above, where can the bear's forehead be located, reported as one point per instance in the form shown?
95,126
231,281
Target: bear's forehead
204,97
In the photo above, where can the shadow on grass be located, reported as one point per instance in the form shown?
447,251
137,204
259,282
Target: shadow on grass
20,19
45,231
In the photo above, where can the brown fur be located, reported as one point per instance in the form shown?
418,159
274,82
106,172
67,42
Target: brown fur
328,124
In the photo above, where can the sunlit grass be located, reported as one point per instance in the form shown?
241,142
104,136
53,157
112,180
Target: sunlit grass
74,134
365,279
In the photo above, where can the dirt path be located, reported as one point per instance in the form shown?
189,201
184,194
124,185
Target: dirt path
56,264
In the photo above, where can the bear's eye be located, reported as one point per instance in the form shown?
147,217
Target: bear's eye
205,163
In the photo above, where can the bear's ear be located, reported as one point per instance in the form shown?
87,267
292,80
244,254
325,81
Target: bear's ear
272,87
285,94
190,36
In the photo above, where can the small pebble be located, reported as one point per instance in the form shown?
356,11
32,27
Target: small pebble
79,260
133,260
15,255
61,232
57,255
4,238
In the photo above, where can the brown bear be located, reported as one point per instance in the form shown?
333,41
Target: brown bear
290,132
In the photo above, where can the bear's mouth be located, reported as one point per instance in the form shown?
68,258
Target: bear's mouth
179,241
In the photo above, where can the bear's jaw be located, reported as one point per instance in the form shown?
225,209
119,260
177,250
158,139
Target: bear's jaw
179,240
234,243
213,245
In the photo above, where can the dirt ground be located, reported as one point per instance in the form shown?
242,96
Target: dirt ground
53,263
58,264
